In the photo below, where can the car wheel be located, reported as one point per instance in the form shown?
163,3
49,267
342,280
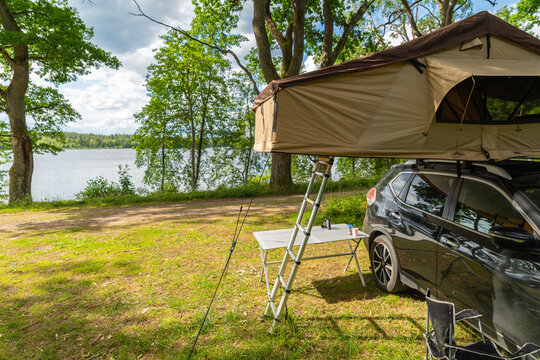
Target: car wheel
385,265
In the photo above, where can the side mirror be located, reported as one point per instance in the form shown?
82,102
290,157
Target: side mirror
511,237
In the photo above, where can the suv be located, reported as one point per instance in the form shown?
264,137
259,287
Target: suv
469,232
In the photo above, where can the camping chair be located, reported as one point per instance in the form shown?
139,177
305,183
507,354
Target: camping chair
440,338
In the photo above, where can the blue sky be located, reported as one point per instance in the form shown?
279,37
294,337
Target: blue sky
107,99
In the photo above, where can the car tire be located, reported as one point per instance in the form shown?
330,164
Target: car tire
385,265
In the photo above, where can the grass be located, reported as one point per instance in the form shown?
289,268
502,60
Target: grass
133,282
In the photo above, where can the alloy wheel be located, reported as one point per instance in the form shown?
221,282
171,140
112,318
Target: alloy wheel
382,263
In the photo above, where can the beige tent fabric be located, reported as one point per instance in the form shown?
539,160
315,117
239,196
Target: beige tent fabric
389,111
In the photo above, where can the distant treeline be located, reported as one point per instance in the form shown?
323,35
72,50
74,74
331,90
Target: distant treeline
95,141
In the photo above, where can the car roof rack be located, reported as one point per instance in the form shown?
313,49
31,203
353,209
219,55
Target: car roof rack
493,169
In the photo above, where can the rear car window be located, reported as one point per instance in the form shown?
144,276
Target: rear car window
429,192
399,182
481,206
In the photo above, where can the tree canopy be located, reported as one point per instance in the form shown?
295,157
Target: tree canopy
46,38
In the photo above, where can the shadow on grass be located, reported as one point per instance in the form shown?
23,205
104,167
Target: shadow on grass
345,288
71,315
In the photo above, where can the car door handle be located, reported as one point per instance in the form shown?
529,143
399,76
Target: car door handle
394,215
449,241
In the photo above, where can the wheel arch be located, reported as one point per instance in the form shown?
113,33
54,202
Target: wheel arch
376,232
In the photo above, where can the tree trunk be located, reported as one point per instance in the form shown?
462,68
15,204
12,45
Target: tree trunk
280,177
20,173
162,164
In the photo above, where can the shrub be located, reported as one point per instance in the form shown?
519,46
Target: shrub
101,188
349,210
126,185
98,188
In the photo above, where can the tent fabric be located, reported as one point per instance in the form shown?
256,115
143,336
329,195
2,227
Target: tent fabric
469,29
383,105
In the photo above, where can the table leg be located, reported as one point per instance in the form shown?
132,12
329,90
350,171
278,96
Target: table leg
263,259
353,252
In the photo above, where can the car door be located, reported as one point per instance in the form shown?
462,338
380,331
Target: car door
416,219
473,273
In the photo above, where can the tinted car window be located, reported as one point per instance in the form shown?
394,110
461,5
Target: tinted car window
481,206
429,192
399,182
533,194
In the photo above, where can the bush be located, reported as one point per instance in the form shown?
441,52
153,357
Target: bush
98,188
349,210
126,185
101,188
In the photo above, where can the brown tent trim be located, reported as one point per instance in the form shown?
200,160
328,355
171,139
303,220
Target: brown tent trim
479,25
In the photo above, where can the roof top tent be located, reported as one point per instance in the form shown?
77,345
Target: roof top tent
468,91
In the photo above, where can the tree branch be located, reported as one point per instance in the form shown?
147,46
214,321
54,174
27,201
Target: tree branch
274,31
412,20
189,36
48,107
299,19
347,31
432,14
6,56
263,44
31,12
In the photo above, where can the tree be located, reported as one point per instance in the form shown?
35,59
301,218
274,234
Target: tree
188,95
158,148
232,140
412,19
525,15
49,39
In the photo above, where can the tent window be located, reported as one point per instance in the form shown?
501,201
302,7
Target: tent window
495,100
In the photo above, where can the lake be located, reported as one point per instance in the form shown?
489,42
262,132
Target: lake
60,177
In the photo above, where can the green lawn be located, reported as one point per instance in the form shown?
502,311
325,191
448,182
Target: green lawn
133,282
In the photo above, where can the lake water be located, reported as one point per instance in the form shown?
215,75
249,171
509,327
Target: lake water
60,177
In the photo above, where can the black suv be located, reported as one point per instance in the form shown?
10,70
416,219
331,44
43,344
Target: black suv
467,231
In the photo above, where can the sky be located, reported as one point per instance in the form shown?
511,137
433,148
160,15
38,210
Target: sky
106,98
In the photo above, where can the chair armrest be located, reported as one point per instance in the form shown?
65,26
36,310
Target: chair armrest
467,314
527,349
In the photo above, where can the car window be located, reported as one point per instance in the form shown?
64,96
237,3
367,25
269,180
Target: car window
429,192
481,206
399,182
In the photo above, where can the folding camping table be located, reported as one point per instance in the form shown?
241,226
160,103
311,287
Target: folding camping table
279,239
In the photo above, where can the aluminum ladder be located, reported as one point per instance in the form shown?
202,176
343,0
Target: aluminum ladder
322,168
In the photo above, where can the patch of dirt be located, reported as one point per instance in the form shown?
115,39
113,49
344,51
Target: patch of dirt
17,224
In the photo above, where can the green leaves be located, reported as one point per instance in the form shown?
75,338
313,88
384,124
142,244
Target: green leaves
525,15
59,46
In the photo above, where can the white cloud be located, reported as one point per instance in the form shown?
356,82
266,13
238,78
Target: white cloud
107,99
309,64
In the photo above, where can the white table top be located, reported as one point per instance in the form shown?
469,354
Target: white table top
276,239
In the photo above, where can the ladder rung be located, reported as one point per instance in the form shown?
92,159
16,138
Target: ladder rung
318,173
282,280
301,228
273,307
291,255
325,160
312,202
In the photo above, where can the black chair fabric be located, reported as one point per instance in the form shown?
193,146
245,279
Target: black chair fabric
440,338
